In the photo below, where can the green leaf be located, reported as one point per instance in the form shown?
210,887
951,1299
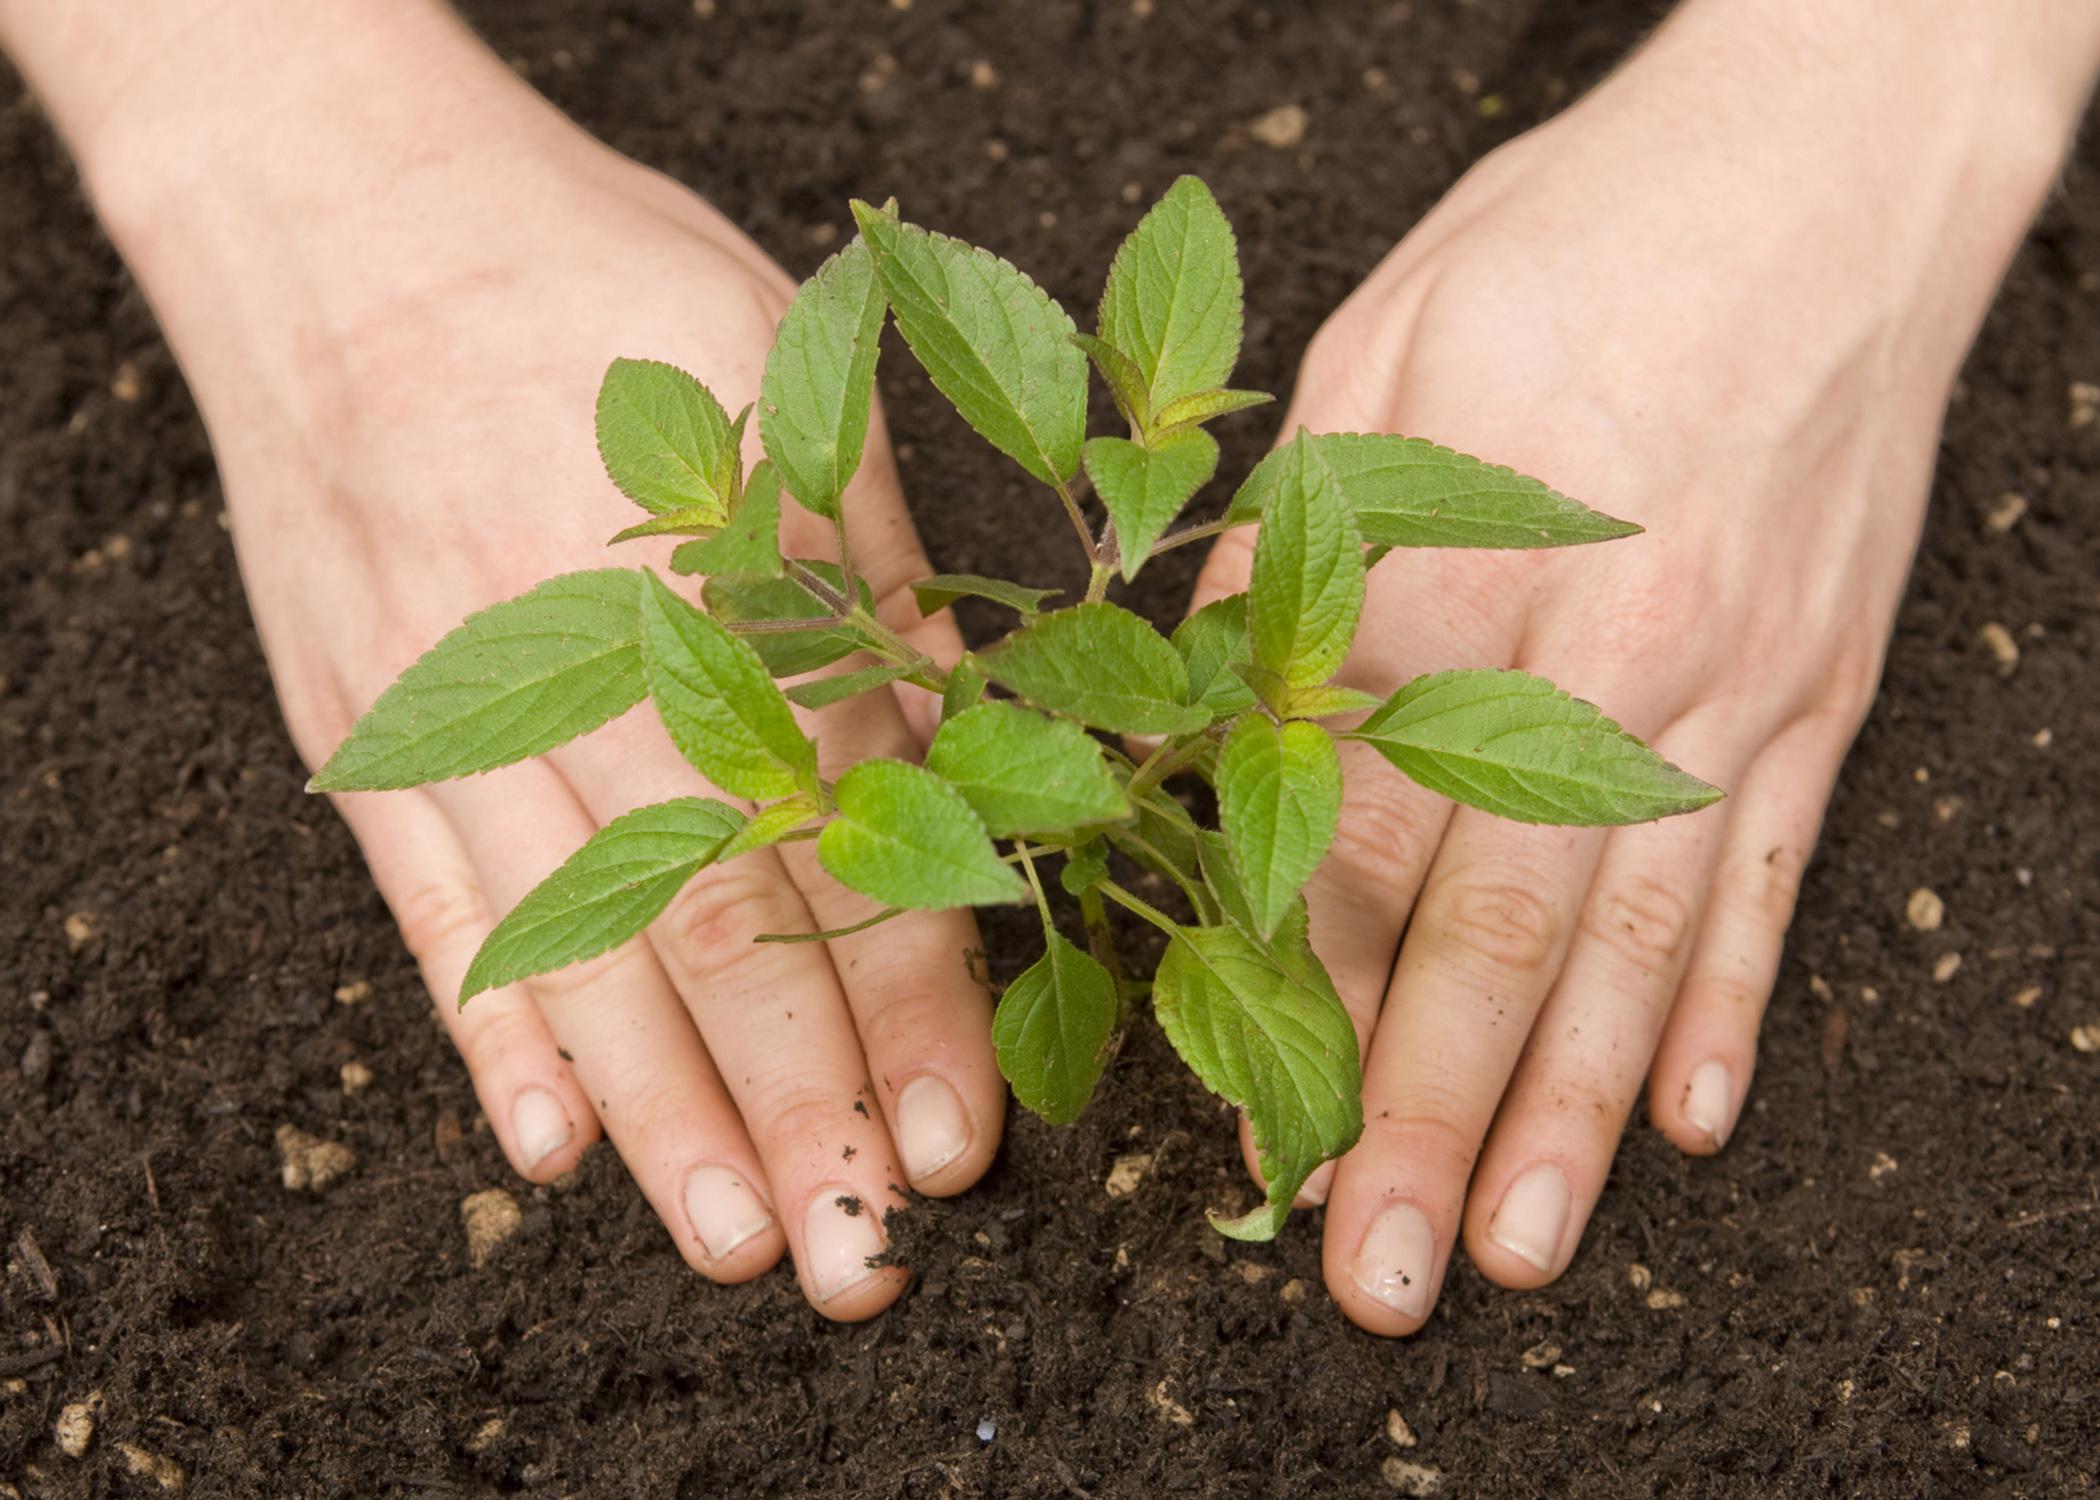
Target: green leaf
1307,590
1024,772
704,521
1164,842
1125,381
719,703
1282,1050
666,441
514,680
1211,641
1408,492
769,825
822,692
966,681
1517,746
1054,1029
1279,802
820,380
1173,298
945,588
1145,488
1100,664
1325,702
788,654
907,838
1085,867
750,544
605,892
1206,406
994,342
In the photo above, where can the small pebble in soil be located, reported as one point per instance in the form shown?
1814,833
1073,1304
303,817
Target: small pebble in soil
1293,1292
310,1163
987,1430
1639,1277
1661,1300
75,1428
1251,1272
1540,1355
353,992
356,1078
1127,1173
983,75
2000,643
1925,910
2084,400
2086,1038
2005,513
1945,967
1168,1408
144,1464
1397,1432
490,1217
125,384
1883,1164
2044,737
1410,1478
36,1058
80,928
486,1434
1282,127
2025,999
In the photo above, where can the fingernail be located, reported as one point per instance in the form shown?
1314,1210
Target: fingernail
540,1124
932,1129
1394,1262
1316,1187
1533,1213
723,1209
1709,1102
838,1236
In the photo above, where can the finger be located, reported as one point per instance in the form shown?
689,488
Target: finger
531,1097
634,1049
1488,936
1709,1045
776,1022
923,1018
1559,1123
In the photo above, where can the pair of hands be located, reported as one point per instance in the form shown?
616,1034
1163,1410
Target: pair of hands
404,434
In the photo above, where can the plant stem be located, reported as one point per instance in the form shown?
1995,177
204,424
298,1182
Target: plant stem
1150,913
1035,883
1086,534
814,585
1164,762
1097,585
848,611
1189,534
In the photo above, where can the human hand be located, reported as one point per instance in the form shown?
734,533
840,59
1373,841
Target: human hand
1702,305
399,384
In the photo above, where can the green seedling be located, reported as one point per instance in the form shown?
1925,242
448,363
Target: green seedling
1029,786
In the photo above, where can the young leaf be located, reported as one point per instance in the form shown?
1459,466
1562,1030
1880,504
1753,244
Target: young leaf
1025,772
1517,746
515,680
945,588
1173,298
666,441
1053,1029
820,380
1206,406
1327,701
1307,590
1279,801
907,838
787,654
822,692
769,825
718,702
1145,488
1282,1050
1100,664
605,892
702,521
1125,381
750,544
1085,867
1408,492
1211,641
965,689
994,342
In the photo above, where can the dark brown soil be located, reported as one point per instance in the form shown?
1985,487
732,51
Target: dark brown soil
1890,1281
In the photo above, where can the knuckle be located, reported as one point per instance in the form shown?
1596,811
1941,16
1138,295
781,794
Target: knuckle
1769,882
1380,842
1426,1137
711,925
1492,921
584,978
791,1114
439,916
1727,995
1643,920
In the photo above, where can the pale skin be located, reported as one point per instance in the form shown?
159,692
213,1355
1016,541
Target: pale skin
1724,296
